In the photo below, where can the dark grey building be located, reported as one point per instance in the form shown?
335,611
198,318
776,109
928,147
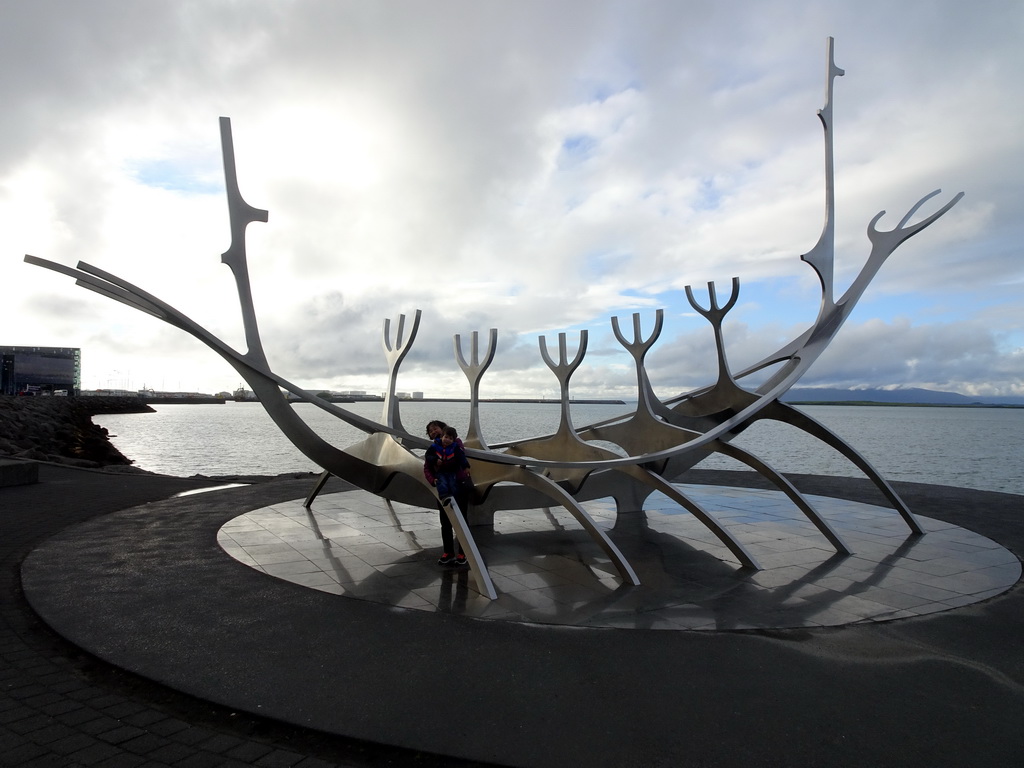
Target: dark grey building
40,369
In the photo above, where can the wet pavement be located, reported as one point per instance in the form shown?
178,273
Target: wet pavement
159,648
547,569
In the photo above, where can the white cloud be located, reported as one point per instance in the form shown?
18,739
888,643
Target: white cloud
530,167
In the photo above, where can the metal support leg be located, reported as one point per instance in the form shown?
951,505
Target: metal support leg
476,561
656,481
320,483
789,415
782,483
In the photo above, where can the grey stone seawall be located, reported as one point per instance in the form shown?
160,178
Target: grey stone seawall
60,429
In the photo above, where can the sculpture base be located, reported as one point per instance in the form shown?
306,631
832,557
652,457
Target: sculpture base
547,569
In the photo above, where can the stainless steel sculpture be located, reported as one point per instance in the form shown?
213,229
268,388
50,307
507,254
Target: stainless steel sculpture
657,442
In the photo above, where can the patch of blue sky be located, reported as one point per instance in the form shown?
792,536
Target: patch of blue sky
777,301
675,305
598,264
601,92
575,201
174,177
642,297
1010,342
708,197
579,146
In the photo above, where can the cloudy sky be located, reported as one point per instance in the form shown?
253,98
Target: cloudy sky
536,167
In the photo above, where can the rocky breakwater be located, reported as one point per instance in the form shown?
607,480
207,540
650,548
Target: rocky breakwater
60,429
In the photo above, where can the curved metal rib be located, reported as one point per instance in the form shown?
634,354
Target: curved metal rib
547,486
474,371
395,352
789,415
241,215
712,523
781,482
822,256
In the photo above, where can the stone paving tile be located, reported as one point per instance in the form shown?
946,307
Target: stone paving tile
124,760
249,752
21,754
278,758
94,753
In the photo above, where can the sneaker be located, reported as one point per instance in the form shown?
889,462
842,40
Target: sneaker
446,559
461,562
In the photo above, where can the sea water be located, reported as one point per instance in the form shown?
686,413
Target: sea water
967,447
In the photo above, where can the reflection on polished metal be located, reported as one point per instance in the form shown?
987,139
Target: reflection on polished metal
626,458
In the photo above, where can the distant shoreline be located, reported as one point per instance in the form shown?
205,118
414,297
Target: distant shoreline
900,405
196,400
530,400
211,400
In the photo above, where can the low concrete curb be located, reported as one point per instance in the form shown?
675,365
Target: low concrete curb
15,472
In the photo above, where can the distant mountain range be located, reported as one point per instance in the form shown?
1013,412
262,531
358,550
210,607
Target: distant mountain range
909,396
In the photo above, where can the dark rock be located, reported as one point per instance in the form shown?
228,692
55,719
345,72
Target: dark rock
31,453
60,429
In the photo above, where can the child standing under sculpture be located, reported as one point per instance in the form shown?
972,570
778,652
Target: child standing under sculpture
446,468
450,463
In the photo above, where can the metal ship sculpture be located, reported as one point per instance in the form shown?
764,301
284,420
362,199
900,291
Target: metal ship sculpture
656,443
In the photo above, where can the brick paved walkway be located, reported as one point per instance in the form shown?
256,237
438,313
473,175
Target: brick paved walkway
61,707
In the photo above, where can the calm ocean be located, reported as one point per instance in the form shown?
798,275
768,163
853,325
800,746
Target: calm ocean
968,447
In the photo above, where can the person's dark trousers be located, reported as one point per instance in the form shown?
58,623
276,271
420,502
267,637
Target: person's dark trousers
447,532
448,543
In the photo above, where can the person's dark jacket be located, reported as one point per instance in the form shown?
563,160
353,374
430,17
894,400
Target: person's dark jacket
434,461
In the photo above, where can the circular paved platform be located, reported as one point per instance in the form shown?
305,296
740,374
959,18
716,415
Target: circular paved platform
150,590
547,569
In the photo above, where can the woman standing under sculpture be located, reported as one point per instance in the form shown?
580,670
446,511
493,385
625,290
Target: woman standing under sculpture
450,554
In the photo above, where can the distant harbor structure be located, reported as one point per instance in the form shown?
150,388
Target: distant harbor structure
155,397
40,371
242,395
